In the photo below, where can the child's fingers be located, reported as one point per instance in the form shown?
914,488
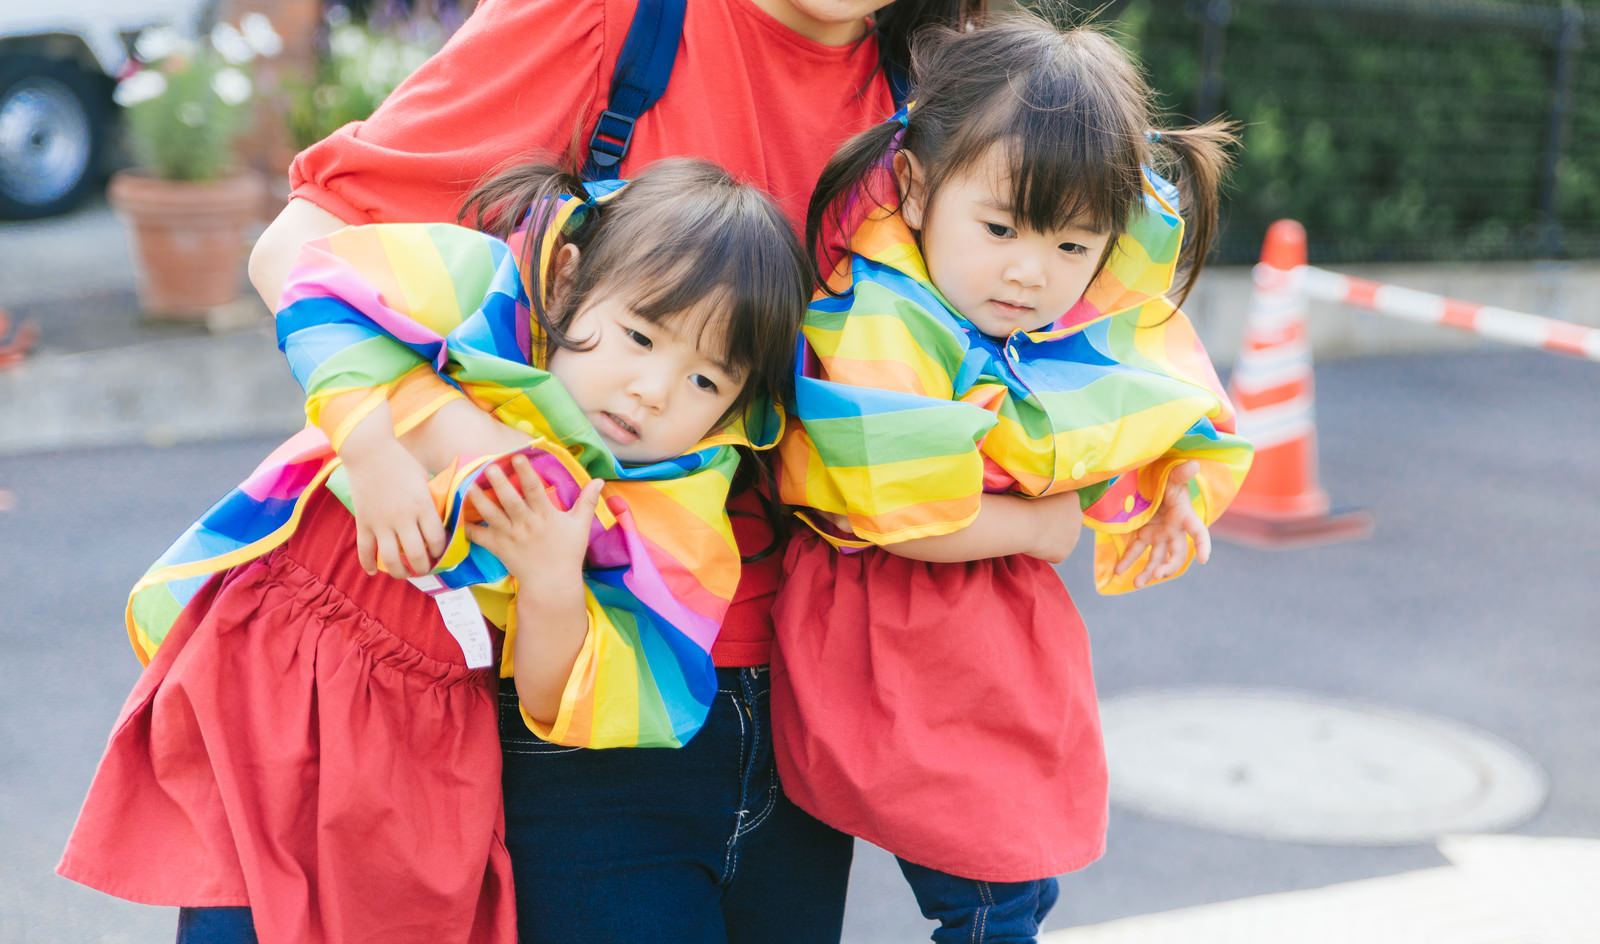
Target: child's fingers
588,499
1182,473
1131,554
433,535
492,514
414,551
389,553
367,550
1202,541
506,492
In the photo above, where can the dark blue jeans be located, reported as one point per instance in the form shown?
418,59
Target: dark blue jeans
215,926
696,844
974,912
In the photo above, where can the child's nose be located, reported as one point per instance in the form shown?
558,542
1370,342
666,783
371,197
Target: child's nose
1025,269
650,388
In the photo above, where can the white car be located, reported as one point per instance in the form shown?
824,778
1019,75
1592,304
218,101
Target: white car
58,63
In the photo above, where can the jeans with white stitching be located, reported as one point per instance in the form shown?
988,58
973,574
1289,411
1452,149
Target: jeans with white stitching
974,912
693,844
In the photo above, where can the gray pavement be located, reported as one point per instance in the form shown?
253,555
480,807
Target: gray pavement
1473,603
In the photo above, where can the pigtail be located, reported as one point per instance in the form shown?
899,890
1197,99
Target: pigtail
527,196
1196,160
835,203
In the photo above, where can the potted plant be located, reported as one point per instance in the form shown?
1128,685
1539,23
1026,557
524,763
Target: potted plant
187,202
360,61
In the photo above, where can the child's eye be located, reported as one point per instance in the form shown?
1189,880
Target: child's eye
703,382
1075,249
638,338
1000,230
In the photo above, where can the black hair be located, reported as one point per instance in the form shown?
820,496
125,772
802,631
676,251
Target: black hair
683,233
1075,114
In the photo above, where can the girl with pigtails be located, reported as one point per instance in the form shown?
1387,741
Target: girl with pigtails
312,754
997,360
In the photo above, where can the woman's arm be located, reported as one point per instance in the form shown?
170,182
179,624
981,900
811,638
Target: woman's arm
275,251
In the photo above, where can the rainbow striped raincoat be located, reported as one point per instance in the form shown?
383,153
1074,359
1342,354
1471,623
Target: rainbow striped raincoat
379,312
907,413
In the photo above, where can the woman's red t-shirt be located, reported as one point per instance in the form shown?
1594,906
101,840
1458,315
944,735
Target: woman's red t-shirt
528,78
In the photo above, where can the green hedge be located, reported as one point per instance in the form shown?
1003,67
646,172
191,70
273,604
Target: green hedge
1393,129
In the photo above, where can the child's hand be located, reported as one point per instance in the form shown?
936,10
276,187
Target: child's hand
396,520
537,542
1168,532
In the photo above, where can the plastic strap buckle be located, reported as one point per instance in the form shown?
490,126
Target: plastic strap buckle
612,135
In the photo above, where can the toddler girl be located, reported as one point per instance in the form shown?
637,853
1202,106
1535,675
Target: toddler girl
319,744
993,364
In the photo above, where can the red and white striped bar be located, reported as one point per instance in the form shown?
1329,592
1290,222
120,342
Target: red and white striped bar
1498,324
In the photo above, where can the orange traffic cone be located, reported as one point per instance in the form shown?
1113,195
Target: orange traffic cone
14,350
1280,503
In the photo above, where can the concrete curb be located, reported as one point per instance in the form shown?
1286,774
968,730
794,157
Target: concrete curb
156,393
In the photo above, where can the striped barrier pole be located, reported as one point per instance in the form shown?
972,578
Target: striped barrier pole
1497,324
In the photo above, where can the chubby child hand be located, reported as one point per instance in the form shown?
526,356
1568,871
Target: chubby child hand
537,542
396,521
1168,532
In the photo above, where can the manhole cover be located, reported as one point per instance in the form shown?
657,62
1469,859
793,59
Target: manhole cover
1284,766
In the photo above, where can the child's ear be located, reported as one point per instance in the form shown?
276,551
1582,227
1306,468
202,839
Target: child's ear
913,187
563,273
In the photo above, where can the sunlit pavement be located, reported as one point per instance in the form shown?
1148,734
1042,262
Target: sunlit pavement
1497,890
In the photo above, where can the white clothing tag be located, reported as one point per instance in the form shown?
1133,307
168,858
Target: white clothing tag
461,615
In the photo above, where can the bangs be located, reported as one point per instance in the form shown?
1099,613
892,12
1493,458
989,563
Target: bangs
1063,168
731,285
1069,116
730,266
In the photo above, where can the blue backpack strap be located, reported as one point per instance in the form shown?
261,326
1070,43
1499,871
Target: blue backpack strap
899,84
643,69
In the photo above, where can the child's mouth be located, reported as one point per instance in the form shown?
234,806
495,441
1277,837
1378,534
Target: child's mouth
621,430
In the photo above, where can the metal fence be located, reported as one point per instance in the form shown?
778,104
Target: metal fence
1393,129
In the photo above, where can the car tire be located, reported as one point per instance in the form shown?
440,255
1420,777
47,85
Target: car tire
53,130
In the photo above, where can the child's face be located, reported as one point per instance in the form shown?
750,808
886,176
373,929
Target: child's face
998,275
651,390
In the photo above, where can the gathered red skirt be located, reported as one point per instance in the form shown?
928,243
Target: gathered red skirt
308,742
944,712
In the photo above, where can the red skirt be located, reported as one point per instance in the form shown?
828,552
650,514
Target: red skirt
944,712
308,742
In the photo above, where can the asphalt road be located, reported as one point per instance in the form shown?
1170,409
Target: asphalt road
1475,600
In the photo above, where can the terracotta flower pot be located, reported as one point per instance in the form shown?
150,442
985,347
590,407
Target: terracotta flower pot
188,239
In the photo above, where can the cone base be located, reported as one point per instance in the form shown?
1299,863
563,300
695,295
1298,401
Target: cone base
1272,534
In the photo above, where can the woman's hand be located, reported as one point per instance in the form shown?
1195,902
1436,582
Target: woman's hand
1168,532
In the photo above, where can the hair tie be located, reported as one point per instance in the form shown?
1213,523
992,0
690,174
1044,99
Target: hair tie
601,191
1152,136
903,116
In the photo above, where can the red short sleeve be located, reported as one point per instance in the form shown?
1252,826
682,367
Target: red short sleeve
526,78
515,82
